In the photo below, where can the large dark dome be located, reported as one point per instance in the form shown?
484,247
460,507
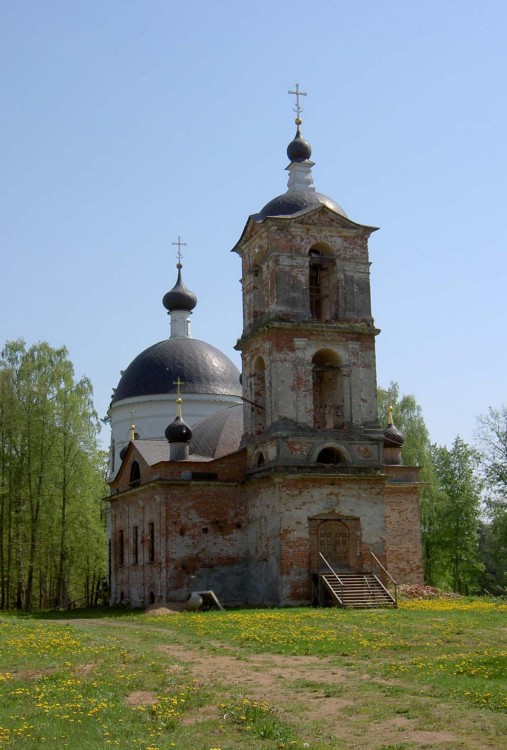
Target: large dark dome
201,368
294,201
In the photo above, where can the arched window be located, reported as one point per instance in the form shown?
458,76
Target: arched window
135,474
321,282
259,396
260,461
327,390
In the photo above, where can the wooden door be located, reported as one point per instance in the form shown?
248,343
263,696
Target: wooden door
334,543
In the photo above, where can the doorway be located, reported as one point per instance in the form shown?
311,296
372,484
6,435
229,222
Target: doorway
334,543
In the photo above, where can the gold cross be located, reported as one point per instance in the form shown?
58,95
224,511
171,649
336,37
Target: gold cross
179,400
179,383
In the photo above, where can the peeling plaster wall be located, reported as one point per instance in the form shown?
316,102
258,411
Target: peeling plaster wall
199,543
279,535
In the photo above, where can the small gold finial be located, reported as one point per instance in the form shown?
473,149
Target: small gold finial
179,400
389,414
132,426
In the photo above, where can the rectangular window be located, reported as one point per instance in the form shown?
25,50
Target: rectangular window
151,542
135,545
120,548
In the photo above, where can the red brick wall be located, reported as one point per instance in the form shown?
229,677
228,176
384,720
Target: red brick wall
199,541
403,525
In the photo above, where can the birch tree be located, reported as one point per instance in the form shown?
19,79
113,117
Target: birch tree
49,459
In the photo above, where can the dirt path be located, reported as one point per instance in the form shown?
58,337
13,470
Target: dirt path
340,705
304,686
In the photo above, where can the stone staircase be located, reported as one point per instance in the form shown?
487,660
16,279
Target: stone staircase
356,590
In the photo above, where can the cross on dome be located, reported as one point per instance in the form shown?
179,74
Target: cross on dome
298,109
179,255
178,382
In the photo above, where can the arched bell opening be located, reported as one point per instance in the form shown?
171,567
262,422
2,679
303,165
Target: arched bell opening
322,281
327,390
257,276
259,396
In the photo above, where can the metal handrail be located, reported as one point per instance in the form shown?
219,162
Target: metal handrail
385,571
394,598
372,554
334,573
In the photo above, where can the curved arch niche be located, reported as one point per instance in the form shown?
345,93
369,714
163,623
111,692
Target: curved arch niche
331,455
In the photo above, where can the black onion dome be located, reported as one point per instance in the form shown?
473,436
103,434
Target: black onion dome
294,201
219,434
299,149
178,431
201,368
393,436
179,298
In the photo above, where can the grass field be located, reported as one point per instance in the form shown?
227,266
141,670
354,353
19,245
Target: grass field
431,674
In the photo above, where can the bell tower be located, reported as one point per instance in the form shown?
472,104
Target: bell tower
308,341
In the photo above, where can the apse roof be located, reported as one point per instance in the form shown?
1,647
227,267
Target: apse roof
218,434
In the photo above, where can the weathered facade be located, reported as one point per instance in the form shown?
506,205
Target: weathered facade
310,472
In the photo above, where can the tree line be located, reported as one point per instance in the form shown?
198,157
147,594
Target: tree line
52,485
52,481
464,500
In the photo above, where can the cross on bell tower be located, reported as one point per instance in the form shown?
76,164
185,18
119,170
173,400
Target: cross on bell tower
307,347
179,255
298,109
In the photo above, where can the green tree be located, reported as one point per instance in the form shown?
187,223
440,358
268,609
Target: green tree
458,515
491,438
408,417
493,552
49,458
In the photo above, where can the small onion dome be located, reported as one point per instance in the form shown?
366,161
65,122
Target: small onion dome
393,436
179,298
178,431
123,451
299,149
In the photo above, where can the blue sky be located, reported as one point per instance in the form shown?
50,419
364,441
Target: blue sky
127,124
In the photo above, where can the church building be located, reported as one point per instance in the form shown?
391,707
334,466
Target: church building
281,489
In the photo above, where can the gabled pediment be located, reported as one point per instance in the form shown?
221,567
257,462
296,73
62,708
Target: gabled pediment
317,216
251,228
323,216
139,451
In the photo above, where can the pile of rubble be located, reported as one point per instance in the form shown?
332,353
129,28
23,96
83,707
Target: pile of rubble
414,591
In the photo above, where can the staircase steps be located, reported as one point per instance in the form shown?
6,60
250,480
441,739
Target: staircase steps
359,590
